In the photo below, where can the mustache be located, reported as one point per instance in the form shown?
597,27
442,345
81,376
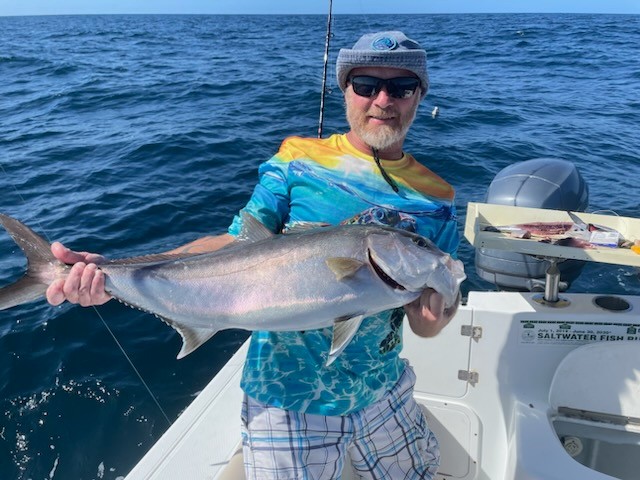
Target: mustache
381,113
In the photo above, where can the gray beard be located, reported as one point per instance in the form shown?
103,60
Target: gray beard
382,138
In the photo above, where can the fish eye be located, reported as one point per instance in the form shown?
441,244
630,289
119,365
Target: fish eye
420,241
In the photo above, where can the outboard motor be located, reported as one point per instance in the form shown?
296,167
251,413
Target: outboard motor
539,183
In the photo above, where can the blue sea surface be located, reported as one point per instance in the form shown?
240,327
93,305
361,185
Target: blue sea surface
128,135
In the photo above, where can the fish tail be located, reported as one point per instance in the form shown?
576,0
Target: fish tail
41,265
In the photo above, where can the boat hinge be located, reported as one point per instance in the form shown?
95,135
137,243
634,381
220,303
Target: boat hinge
471,331
468,376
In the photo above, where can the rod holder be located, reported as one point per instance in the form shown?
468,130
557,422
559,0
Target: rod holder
551,297
552,285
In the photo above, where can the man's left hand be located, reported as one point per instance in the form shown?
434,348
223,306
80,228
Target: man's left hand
428,315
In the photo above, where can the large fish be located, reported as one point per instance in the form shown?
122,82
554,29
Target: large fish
309,279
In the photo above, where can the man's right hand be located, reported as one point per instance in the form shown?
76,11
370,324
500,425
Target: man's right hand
85,283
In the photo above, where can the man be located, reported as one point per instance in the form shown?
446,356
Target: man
301,416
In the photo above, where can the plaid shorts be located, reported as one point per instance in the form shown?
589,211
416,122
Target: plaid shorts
387,440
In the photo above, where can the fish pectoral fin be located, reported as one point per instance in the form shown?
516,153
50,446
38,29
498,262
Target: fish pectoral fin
192,338
344,267
343,331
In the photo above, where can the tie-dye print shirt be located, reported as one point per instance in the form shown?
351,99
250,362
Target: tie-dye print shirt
328,180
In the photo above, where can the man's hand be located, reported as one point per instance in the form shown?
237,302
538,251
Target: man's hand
427,314
85,283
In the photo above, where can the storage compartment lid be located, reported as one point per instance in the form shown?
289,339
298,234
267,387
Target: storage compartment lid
601,378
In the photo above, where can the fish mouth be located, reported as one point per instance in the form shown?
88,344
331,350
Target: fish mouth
382,275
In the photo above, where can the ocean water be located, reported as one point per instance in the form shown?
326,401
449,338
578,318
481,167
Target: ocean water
134,134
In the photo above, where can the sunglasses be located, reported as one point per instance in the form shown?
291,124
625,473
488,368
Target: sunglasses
398,87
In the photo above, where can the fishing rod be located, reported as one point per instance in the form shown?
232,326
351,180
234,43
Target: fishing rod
324,73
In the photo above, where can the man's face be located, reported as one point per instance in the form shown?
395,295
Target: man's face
380,121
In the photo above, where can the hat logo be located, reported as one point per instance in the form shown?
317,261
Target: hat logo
384,43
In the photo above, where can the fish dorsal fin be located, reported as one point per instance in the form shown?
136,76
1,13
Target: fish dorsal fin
301,227
344,329
148,259
252,230
344,267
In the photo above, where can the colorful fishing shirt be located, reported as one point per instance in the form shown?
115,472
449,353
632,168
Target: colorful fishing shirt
329,180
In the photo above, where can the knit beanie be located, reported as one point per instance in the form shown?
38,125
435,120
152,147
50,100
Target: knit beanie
383,49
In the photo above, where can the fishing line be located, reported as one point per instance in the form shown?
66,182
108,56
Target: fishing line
133,367
137,372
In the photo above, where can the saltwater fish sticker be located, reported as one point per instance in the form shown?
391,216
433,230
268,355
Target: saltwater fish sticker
545,332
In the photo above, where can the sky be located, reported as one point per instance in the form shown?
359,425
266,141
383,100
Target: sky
64,7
